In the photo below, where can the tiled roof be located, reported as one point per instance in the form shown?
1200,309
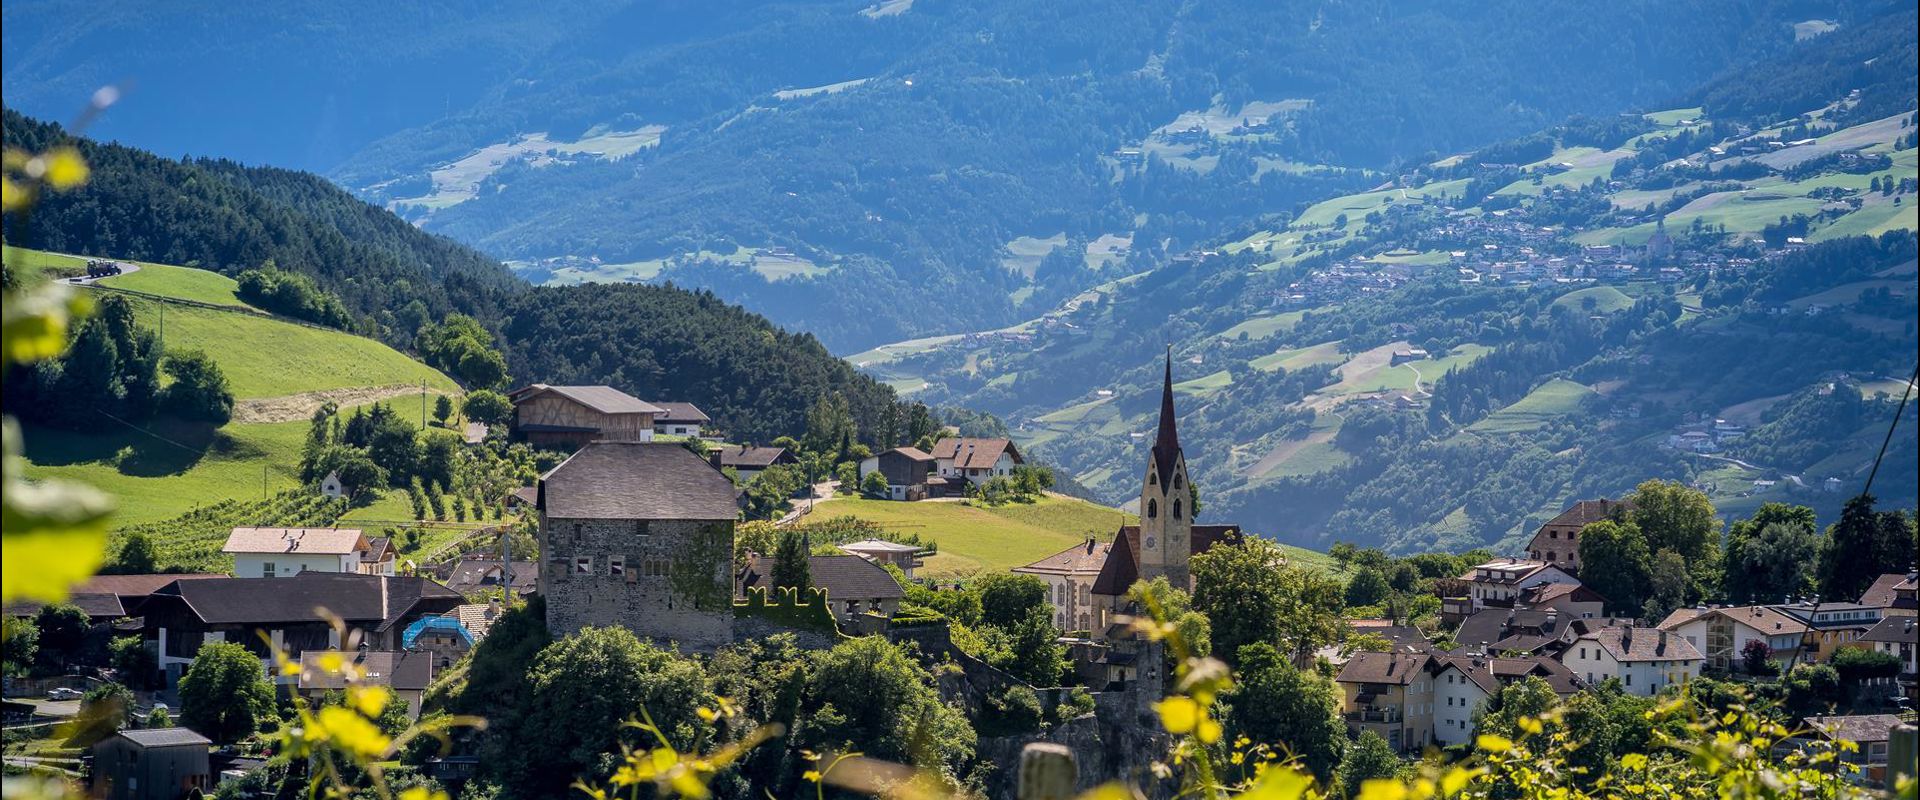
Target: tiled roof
1856,728
911,453
604,399
96,605
1587,512
398,669
379,548
472,574
1388,668
844,577
752,457
1081,559
679,412
166,737
477,618
1884,591
634,480
1122,568
1900,630
133,586
1549,592
969,453
296,541
301,598
1627,643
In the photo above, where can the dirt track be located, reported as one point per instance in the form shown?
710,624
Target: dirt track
289,408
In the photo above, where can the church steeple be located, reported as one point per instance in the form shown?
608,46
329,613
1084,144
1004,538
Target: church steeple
1166,445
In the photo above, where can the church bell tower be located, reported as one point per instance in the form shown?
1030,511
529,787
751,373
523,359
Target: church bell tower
1166,504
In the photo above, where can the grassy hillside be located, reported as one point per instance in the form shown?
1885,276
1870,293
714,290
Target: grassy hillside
279,371
977,539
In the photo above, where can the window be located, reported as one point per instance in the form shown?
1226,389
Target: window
266,570
1178,481
1176,508
583,565
616,565
640,528
1152,479
1153,509
1628,678
1060,594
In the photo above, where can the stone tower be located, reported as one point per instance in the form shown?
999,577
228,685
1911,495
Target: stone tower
1166,518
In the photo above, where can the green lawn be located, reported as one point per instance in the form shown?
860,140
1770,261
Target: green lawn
1264,326
265,357
975,538
1205,383
182,282
1606,299
33,265
1323,353
1554,398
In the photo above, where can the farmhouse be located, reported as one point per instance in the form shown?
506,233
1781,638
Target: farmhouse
407,674
1558,541
1502,581
638,535
295,614
748,461
280,552
975,460
572,416
907,470
679,419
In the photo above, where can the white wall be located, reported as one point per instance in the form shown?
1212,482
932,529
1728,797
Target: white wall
285,565
1455,699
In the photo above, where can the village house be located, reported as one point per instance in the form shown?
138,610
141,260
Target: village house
880,551
380,557
1463,683
1558,541
280,552
106,598
1571,600
976,460
679,419
1871,732
1830,626
1722,634
1643,659
475,574
407,674
295,614
572,416
1894,594
747,462
152,764
638,535
1510,631
907,470
1390,694
1898,637
1501,582
1070,575
854,585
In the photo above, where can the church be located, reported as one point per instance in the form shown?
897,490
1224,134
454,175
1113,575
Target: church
1165,541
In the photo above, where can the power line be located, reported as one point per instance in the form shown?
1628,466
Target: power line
1895,424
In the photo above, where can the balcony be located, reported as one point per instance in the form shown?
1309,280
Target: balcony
1374,716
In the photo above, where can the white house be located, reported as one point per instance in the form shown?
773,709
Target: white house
1502,581
977,460
1899,636
282,552
1645,660
1070,575
331,487
1722,634
679,419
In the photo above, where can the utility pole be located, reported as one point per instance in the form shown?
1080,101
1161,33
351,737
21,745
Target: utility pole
263,481
423,404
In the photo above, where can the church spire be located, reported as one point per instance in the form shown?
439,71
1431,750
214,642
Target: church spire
1166,445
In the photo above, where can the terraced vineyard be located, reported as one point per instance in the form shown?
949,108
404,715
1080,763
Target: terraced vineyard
192,541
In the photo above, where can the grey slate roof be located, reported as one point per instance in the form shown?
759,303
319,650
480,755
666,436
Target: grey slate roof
637,480
351,596
166,737
844,577
604,399
679,412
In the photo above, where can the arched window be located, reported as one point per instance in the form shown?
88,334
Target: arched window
1153,509
1152,478
1060,594
1177,481
1176,508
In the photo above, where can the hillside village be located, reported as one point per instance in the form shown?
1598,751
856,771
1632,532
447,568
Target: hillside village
638,528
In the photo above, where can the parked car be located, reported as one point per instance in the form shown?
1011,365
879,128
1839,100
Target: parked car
63,693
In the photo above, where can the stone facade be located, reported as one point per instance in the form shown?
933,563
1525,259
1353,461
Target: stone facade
666,580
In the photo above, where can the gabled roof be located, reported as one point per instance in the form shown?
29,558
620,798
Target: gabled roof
130,587
754,457
1502,629
165,737
295,541
1587,512
1627,643
397,669
379,548
96,605
678,412
967,453
1898,630
1550,592
1885,591
1394,669
1856,728
914,454
471,574
637,480
604,399
1122,568
353,597
1085,558
844,577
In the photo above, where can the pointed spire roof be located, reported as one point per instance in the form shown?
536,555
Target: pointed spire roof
1166,445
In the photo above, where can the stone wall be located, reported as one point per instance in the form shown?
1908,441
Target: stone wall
666,580
1118,742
